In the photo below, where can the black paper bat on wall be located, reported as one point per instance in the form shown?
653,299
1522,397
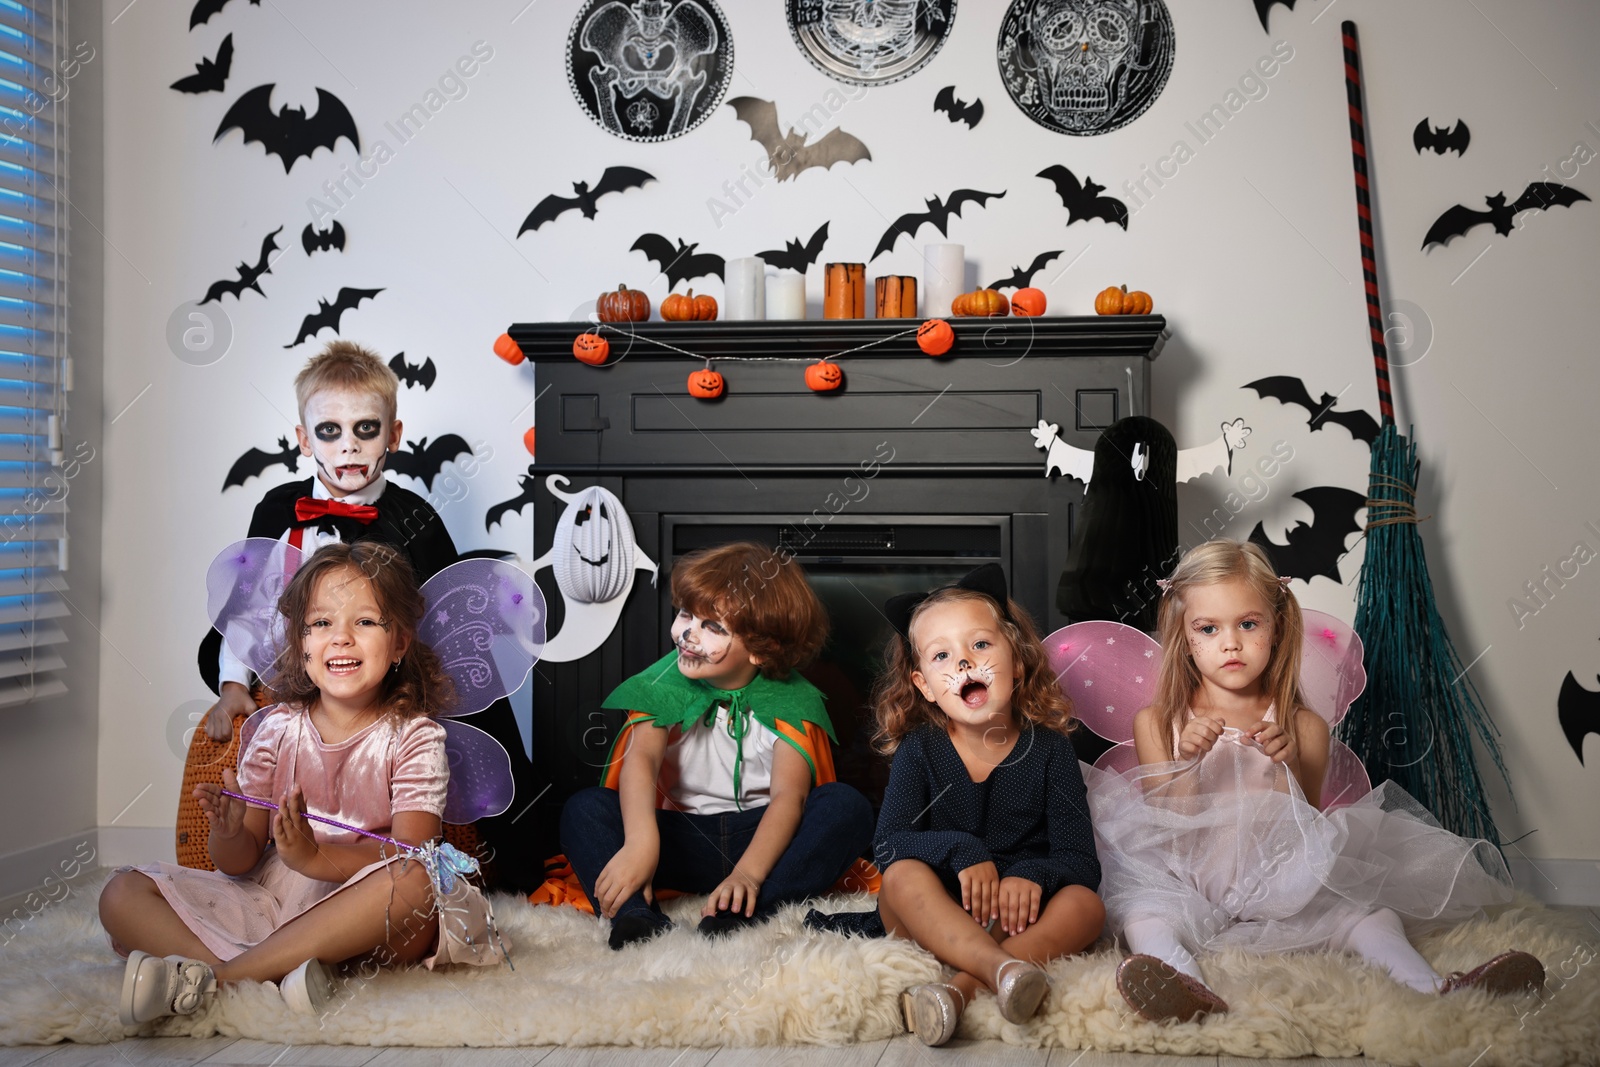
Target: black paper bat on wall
1288,390
526,483
328,314
958,110
423,374
204,9
797,256
1316,547
1083,201
1263,7
288,133
424,461
1459,219
210,75
256,461
314,240
612,180
1021,279
939,213
787,153
1578,711
249,277
679,264
1441,138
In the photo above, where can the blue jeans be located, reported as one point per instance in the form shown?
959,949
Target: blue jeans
699,851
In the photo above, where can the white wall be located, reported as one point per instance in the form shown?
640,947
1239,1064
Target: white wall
1250,251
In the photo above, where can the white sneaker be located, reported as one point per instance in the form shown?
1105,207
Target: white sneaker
154,987
308,989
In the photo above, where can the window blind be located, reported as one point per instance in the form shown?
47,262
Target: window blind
35,368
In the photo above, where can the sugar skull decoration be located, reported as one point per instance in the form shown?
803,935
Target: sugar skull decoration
1085,67
649,70
870,42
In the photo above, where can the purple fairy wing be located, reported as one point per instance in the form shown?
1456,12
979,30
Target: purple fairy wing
480,774
247,730
1108,671
1331,674
243,585
485,620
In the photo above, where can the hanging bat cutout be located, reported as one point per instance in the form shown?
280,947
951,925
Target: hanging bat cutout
1316,547
1441,138
423,374
314,240
1020,278
1578,711
256,461
328,314
1263,7
424,461
1084,202
794,255
613,180
680,264
210,75
1288,390
248,276
958,110
206,8
288,133
939,213
787,153
526,483
1458,220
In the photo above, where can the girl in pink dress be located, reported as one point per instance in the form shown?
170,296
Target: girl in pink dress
353,740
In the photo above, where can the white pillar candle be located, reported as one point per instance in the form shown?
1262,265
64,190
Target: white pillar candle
787,290
943,278
745,292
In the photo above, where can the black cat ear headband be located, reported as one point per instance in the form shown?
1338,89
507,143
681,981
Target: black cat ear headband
989,579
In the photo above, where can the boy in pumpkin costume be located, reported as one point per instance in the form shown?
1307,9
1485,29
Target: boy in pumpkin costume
721,781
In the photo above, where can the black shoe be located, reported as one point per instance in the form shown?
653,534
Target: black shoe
724,923
637,926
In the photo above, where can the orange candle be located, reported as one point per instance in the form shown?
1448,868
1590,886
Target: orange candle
895,297
845,291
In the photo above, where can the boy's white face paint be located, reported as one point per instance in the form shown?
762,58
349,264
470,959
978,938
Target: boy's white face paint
348,438
709,652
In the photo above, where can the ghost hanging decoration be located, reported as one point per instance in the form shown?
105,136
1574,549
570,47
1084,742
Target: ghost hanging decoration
594,557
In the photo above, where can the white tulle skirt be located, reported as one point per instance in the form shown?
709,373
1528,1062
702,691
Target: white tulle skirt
1226,851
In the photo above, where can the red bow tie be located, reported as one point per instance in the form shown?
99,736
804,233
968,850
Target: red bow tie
308,508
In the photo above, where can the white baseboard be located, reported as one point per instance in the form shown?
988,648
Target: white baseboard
1557,881
120,845
43,867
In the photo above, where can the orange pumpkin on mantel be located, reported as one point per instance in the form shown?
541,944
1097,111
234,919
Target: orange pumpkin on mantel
623,305
591,348
981,303
1029,303
686,307
935,336
705,384
824,377
1117,300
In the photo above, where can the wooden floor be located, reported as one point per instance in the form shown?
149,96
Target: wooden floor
898,1052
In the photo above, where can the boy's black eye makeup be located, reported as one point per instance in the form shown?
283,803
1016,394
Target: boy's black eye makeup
328,431
367,429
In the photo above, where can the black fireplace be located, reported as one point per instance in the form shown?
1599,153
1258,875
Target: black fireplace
915,472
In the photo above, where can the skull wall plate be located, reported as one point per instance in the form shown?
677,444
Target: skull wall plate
1085,67
649,70
870,42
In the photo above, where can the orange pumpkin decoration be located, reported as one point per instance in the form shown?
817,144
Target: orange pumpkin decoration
527,440
705,383
1028,303
981,303
935,337
624,305
1117,300
508,350
591,348
686,307
824,377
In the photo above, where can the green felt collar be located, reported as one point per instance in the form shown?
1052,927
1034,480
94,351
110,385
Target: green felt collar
662,692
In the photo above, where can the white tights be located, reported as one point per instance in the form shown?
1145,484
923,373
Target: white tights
1379,939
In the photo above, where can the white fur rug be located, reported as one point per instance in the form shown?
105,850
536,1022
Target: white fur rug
785,985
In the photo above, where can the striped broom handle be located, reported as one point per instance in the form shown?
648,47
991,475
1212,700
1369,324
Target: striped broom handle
1369,258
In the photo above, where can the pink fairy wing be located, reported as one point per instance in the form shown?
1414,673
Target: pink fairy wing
485,618
243,585
1118,759
1108,671
1331,674
1346,779
480,774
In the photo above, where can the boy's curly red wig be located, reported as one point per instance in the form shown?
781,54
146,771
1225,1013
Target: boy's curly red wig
761,595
